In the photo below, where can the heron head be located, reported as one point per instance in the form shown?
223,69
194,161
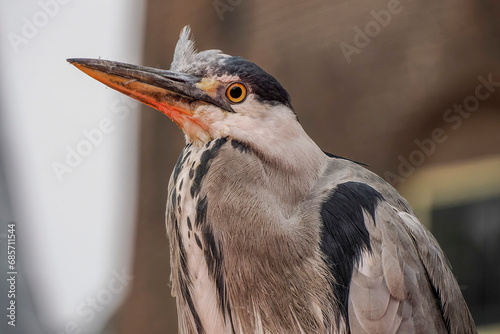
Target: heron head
208,94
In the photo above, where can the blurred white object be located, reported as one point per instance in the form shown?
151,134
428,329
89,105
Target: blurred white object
70,154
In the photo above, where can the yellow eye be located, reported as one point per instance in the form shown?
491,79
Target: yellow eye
236,92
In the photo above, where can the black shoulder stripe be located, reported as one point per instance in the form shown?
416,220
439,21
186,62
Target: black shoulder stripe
339,157
344,233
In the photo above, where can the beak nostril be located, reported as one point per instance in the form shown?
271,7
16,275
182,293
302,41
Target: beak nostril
175,78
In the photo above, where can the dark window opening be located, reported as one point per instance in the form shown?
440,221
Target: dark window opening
469,235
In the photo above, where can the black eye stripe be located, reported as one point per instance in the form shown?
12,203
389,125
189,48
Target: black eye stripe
261,84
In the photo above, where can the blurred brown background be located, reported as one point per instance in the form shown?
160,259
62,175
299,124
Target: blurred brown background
396,89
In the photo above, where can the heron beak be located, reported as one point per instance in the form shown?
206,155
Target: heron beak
174,94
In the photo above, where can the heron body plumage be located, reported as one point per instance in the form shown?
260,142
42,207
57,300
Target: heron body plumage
234,257
268,233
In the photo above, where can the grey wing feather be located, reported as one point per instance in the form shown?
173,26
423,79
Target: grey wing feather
455,311
404,284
